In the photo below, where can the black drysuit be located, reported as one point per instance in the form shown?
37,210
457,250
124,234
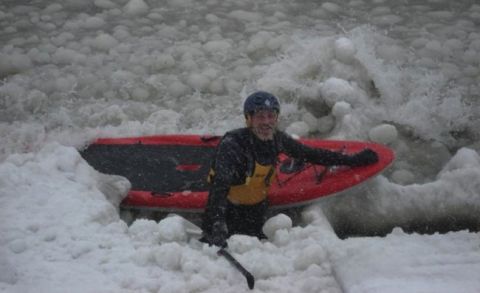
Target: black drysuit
235,159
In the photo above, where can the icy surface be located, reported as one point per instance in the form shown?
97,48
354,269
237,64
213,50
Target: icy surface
403,73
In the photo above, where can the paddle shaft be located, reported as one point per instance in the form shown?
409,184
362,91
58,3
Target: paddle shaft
238,266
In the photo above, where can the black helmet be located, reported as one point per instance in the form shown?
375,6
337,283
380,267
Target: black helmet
260,101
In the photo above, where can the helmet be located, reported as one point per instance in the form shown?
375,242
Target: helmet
260,101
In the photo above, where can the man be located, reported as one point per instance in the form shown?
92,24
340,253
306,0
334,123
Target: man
244,166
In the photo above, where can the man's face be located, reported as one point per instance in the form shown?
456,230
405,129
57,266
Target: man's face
264,123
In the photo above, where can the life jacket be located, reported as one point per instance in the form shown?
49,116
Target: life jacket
255,188
257,182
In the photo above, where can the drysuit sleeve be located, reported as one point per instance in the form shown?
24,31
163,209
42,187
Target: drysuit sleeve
297,150
228,167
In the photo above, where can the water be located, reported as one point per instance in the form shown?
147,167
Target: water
76,70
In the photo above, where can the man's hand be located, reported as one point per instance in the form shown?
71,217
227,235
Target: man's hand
365,157
219,234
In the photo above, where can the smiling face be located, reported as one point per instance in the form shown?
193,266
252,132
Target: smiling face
263,123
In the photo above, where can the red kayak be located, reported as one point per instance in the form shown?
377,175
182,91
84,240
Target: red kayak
168,172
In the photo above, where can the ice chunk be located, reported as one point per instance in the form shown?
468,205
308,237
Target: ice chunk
104,42
214,46
114,187
337,89
403,177
217,87
94,22
389,19
172,229
331,7
164,121
311,121
212,18
164,61
145,231
341,109
471,57
345,50
243,243
18,246
169,256
299,128
180,3
434,47
53,8
140,94
8,273
391,52
384,133
106,4
280,221
177,89
67,56
199,82
464,158
326,124
136,7
311,255
245,16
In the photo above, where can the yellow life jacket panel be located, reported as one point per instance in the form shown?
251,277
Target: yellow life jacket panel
255,188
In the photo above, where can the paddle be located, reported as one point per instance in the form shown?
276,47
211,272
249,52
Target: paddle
238,266
194,230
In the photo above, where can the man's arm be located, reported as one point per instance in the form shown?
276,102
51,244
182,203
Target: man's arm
228,164
324,157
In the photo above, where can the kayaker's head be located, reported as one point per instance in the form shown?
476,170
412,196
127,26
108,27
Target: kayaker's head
261,111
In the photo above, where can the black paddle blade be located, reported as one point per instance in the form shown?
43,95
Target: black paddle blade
238,266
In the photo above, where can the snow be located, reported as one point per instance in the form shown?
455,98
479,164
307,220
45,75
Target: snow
403,74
